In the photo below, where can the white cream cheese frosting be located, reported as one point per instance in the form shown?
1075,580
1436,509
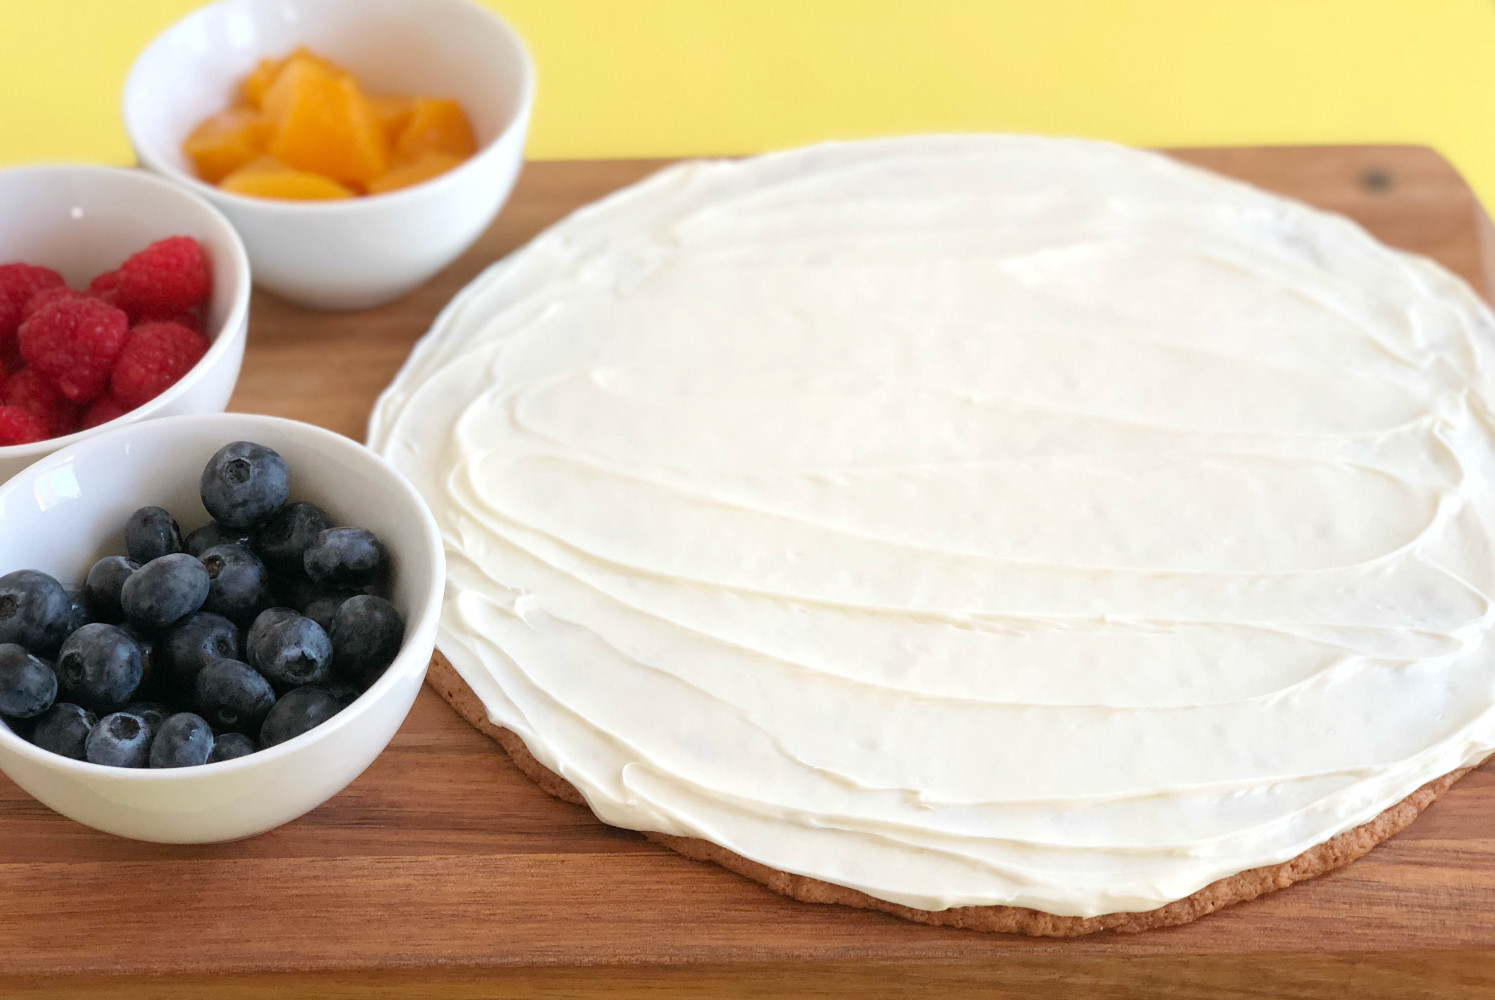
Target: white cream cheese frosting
969,519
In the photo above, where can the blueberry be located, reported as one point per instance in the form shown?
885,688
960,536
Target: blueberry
366,636
198,641
346,557
149,660
63,729
244,484
288,649
231,745
165,590
152,713
240,586
297,712
212,534
99,667
77,611
101,589
322,608
27,685
35,611
184,740
119,740
233,697
151,533
283,540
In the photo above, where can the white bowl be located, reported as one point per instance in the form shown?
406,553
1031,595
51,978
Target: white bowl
66,511
358,252
81,221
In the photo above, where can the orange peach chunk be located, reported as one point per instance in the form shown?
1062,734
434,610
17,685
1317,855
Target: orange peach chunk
267,177
437,125
324,124
266,70
227,141
406,174
394,113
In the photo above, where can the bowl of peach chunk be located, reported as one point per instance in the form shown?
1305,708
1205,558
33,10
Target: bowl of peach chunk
358,146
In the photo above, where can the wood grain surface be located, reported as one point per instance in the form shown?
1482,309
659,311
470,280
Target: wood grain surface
443,871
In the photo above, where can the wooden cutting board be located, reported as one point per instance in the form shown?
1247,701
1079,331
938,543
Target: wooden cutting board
443,871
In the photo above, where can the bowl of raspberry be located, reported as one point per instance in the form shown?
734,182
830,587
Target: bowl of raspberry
122,298
209,624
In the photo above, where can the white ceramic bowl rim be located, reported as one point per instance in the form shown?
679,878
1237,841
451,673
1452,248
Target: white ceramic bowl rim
238,308
424,619
523,100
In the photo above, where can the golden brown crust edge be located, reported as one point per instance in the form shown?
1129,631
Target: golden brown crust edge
1333,853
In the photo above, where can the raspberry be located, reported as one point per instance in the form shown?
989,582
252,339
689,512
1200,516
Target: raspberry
48,296
19,427
28,390
167,277
154,357
18,283
75,342
103,410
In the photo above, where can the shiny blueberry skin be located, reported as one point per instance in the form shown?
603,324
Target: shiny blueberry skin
282,541
151,533
119,740
102,587
349,558
212,534
233,697
230,746
184,740
165,590
297,712
197,641
322,608
289,650
367,633
99,667
240,585
27,684
78,610
35,611
63,729
244,484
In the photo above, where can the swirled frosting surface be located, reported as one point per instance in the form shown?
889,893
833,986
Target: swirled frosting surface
968,520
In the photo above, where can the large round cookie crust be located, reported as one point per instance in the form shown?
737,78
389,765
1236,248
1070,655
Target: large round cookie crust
1333,853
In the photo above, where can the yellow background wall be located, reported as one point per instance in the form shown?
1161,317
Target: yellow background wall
680,77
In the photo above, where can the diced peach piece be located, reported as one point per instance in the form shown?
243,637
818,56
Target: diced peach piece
227,141
324,124
406,174
267,177
259,79
394,113
437,125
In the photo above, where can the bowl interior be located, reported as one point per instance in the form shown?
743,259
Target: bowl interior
440,48
82,221
68,510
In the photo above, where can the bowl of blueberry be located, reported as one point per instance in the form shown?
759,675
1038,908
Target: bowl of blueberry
209,625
